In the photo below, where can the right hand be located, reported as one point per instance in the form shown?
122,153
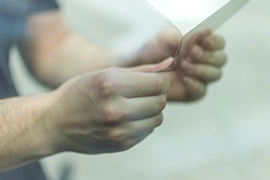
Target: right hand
200,62
110,110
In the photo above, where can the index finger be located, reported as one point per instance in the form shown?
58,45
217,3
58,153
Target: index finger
138,84
213,42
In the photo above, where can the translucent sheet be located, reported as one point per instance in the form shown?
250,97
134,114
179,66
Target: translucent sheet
191,16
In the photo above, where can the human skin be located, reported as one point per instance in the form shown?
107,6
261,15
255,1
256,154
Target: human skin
99,112
97,109
50,44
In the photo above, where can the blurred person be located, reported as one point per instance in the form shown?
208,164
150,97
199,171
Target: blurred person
94,108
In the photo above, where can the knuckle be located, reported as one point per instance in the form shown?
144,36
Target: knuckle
163,101
127,145
214,42
208,42
117,135
111,114
159,120
106,83
159,85
197,53
202,91
224,59
218,74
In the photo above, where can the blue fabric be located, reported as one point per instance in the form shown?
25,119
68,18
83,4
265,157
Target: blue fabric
13,15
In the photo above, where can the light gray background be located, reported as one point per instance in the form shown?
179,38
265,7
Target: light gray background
226,136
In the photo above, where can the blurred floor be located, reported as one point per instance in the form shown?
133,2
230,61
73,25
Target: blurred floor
224,136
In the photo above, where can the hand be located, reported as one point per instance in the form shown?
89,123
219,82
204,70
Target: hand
110,110
199,63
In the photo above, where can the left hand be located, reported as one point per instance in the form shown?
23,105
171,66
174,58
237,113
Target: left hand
200,63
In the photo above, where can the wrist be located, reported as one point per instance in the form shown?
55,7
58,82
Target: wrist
24,133
46,131
55,117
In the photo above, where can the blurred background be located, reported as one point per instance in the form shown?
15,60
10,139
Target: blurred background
224,136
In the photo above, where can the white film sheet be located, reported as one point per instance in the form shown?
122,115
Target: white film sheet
188,14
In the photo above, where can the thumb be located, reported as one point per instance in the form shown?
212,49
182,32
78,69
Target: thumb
151,68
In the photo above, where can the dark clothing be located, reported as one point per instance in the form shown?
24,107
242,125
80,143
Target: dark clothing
13,16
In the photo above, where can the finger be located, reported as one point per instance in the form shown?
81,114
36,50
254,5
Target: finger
197,38
135,84
153,67
195,89
134,141
144,107
130,129
131,142
199,55
213,43
164,45
171,37
190,41
117,145
144,126
205,73
200,36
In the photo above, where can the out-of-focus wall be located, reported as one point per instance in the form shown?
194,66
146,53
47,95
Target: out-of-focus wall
224,136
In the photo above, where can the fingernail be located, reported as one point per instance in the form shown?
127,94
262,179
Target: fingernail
164,64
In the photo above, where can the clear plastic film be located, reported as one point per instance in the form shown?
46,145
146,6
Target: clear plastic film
193,16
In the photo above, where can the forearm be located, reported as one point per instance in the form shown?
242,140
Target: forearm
23,136
74,56
56,53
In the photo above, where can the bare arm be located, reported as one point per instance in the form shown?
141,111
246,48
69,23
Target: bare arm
99,112
23,134
54,53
